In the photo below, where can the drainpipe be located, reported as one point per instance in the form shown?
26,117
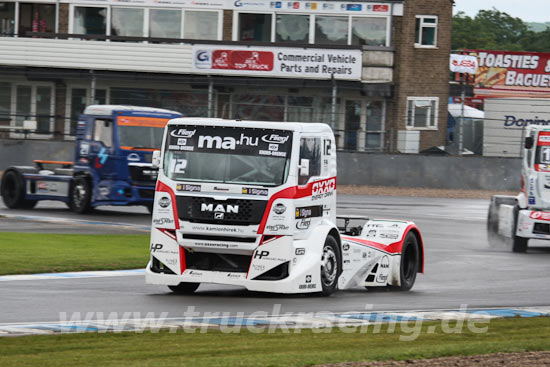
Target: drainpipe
92,88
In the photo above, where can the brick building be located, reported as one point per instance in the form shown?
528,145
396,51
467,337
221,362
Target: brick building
377,72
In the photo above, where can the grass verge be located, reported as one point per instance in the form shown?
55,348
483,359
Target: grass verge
246,348
26,253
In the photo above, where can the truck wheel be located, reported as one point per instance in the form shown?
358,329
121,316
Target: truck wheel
184,288
493,238
81,196
330,268
410,262
519,244
13,191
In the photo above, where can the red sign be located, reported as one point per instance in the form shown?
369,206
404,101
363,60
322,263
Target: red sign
512,73
544,138
383,8
242,60
540,215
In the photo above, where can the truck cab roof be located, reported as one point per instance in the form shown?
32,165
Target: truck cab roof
533,127
303,127
108,110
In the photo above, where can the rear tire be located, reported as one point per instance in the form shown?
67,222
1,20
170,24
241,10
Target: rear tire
519,244
184,288
13,191
81,195
330,266
410,263
493,238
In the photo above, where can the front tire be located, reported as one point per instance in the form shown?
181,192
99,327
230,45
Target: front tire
184,288
13,191
520,244
330,266
81,196
410,262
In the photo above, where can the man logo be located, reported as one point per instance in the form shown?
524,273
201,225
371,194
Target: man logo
218,215
219,208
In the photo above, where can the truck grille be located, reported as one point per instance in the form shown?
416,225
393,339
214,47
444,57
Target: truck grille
146,193
217,262
143,176
248,211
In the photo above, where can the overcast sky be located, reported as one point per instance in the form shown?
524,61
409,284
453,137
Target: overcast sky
527,10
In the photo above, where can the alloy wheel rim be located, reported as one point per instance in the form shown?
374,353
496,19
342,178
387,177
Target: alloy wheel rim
329,266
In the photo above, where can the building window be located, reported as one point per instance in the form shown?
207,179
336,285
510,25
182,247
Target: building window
5,104
331,30
188,103
375,125
258,107
254,27
300,109
36,18
127,22
34,102
200,25
164,23
7,18
426,31
90,20
292,28
368,31
159,23
44,99
422,112
79,101
319,29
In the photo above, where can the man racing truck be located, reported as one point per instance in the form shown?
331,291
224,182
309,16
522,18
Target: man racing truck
253,204
517,219
112,163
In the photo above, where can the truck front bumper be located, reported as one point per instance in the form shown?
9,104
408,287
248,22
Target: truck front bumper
533,224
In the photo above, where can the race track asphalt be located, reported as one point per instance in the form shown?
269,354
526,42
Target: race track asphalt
461,269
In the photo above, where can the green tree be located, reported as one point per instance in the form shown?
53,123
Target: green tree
496,30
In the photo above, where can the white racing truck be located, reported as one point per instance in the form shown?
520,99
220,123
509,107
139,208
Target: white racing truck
253,204
516,219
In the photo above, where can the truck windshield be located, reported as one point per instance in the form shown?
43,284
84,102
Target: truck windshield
227,155
140,132
140,137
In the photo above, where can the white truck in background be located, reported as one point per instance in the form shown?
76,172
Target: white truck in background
527,215
505,122
253,204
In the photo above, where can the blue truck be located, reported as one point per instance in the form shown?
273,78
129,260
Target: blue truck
112,163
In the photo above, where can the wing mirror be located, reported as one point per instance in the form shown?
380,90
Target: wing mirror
156,159
304,167
529,142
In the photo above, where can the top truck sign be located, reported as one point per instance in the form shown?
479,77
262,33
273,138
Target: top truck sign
513,74
278,62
